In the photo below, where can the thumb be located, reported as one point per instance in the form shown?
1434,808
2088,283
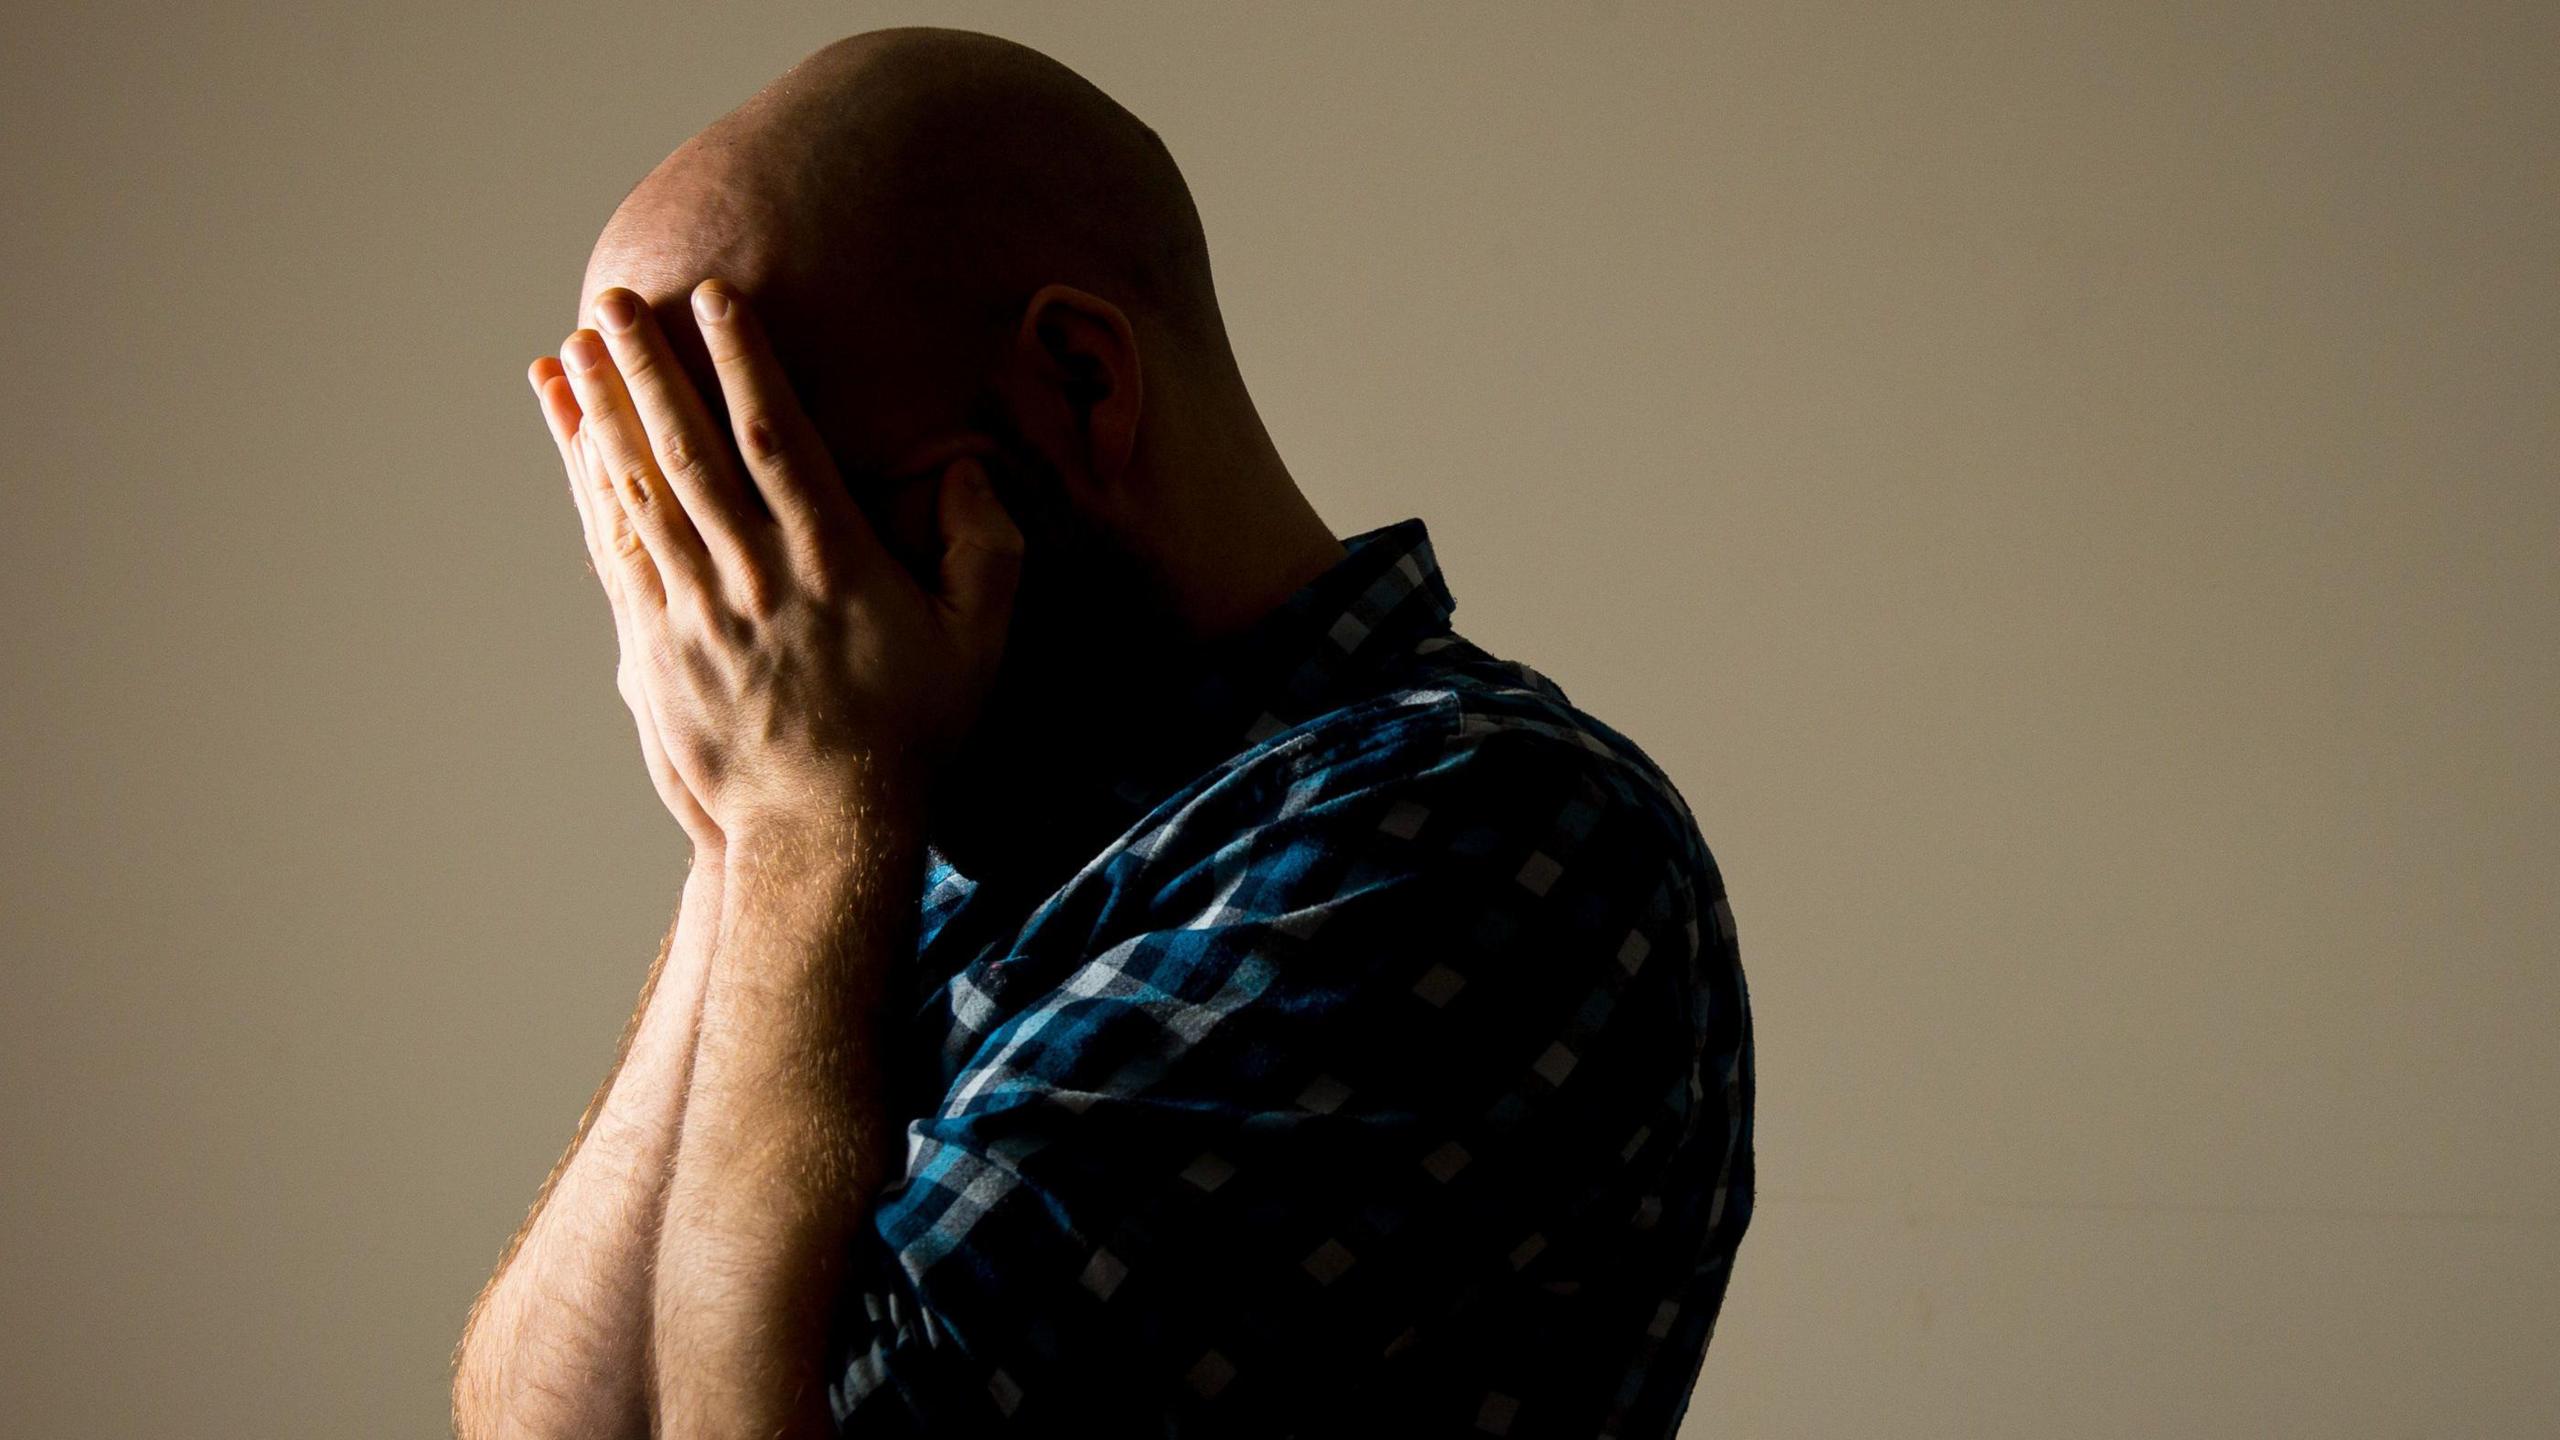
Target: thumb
981,546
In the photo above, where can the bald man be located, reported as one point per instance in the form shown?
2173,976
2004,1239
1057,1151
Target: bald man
1141,971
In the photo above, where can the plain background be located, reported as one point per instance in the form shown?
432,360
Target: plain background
2067,491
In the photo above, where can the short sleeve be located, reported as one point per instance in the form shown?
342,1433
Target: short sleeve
1408,1036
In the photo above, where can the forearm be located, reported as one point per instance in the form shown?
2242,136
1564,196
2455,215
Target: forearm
558,1343
785,1138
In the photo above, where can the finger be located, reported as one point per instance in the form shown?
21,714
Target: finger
560,412
599,563
614,549
560,416
783,450
559,406
692,452
630,573
618,447
981,549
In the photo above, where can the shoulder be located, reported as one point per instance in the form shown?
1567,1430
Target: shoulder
1464,719
1487,753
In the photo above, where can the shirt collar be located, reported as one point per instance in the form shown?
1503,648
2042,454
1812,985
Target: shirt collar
1305,656
1311,653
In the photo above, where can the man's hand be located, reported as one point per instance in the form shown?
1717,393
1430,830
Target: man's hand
607,535
805,690
795,670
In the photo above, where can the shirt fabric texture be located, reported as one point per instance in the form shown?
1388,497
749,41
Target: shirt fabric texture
1389,1072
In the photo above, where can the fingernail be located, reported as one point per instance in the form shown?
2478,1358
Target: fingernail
711,303
615,310
582,351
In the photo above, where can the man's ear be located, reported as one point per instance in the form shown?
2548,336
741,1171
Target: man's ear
1073,382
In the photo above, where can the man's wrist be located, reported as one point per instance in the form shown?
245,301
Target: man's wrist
874,819
821,869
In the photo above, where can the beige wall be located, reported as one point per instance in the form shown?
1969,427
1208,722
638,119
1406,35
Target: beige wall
2071,498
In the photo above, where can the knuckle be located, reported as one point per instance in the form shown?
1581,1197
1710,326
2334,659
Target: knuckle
754,590
736,630
677,455
692,610
758,437
817,576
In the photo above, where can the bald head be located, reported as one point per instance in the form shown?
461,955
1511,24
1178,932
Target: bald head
894,199
954,240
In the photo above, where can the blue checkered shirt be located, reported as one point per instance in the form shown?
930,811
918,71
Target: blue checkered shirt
1389,1072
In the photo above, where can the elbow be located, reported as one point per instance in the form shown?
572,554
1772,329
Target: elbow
495,1400
471,1411
478,1390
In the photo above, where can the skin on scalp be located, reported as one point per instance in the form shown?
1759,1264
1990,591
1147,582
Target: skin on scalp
890,205
891,202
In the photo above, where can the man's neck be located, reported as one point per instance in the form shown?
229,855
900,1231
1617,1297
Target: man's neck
1240,538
